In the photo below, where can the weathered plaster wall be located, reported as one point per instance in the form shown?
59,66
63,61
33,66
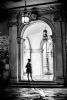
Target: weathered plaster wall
3,28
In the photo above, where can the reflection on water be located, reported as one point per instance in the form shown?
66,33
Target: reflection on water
33,94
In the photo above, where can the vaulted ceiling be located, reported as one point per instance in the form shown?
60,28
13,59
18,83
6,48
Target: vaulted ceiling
18,3
15,4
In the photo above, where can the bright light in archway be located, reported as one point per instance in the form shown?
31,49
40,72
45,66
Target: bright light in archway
35,34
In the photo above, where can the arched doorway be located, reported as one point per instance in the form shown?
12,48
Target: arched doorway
34,47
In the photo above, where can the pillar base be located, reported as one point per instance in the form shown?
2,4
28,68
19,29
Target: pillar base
13,80
59,80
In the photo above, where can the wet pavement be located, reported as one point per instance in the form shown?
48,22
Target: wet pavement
17,93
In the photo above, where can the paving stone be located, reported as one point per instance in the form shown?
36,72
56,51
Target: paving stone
10,93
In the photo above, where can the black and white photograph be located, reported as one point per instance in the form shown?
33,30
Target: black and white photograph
33,50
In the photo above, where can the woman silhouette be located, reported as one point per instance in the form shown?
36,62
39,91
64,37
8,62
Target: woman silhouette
29,69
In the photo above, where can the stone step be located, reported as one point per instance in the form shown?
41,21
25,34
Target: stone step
35,84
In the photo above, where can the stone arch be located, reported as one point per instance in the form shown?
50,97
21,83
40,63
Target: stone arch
42,19
24,27
49,22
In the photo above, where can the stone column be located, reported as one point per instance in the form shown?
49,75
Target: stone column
13,47
59,61
19,59
63,25
54,56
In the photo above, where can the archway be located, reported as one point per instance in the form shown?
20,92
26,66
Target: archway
34,47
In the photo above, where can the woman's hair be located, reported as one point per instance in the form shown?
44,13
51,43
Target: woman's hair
29,60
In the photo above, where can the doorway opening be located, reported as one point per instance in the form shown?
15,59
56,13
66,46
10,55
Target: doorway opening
39,51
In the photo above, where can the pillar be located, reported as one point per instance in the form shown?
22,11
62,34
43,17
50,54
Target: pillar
59,61
13,49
